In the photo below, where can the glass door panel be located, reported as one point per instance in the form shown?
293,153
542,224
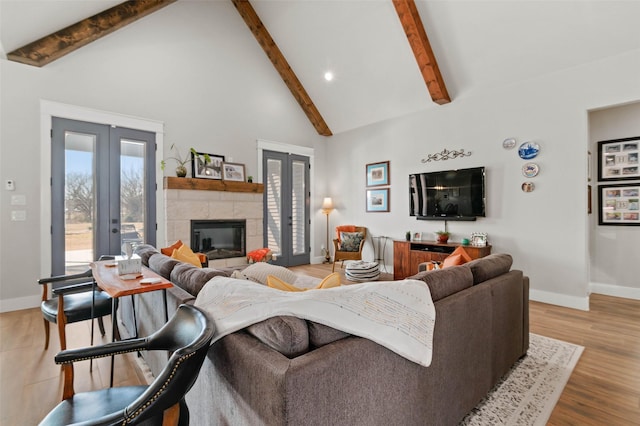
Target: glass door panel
132,191
273,205
298,210
79,202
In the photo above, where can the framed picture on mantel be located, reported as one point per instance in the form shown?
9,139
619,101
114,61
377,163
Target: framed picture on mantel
211,169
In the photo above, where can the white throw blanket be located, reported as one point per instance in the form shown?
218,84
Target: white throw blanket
398,315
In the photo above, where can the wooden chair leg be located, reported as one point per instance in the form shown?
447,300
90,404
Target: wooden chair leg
67,390
62,322
171,415
46,334
333,268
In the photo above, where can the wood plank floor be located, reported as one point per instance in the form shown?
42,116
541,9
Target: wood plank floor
603,390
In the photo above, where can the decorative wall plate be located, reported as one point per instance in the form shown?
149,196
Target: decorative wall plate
528,187
528,150
530,170
509,143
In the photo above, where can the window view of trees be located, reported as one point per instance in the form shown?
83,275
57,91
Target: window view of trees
80,207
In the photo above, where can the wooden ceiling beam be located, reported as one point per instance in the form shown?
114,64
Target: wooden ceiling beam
417,36
248,13
62,42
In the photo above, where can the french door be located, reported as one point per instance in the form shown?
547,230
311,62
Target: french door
102,191
286,207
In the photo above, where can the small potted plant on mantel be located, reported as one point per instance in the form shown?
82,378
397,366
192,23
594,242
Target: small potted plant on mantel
181,168
443,236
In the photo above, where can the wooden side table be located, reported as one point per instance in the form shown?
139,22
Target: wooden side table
105,273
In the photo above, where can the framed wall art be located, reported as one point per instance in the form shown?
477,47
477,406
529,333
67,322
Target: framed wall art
378,200
233,171
206,166
377,174
619,204
618,159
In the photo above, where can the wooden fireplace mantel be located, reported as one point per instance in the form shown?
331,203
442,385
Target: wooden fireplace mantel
171,182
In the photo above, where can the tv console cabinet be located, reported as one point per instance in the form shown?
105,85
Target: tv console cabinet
407,255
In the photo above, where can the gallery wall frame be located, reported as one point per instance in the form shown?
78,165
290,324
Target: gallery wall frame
378,174
378,200
618,159
619,204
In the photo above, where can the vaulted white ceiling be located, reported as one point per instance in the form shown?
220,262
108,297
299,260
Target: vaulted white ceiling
479,45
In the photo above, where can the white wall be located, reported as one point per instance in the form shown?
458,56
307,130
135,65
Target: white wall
195,68
545,230
192,66
615,252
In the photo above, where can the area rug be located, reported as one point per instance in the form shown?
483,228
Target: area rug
531,389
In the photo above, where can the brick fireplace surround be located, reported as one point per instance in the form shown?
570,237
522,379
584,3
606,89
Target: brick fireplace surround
204,199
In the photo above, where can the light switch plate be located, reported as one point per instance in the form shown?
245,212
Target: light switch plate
18,200
18,215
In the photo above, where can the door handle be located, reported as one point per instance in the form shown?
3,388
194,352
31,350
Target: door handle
114,231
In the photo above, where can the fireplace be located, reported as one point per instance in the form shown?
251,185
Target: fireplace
219,239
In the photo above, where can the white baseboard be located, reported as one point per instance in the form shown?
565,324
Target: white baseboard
565,300
27,302
615,290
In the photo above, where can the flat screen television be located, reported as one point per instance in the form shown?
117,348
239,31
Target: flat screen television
449,195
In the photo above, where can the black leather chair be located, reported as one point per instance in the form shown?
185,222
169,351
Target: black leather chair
75,298
188,335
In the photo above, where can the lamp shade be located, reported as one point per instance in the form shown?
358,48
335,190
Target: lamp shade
327,204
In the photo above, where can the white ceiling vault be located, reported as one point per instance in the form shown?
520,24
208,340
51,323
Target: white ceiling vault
479,45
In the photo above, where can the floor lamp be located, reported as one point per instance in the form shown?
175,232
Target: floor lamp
327,207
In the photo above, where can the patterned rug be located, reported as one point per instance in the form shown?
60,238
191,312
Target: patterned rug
530,391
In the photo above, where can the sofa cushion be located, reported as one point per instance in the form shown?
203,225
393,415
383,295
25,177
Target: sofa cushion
145,251
258,272
489,267
191,278
285,334
320,334
445,282
162,265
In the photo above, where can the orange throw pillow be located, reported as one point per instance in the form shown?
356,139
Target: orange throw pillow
168,251
462,252
344,228
453,260
185,254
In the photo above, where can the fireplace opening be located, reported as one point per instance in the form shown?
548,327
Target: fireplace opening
219,239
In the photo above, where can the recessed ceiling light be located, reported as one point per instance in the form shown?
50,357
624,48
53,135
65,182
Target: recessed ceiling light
328,76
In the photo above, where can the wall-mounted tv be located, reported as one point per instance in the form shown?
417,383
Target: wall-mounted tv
447,195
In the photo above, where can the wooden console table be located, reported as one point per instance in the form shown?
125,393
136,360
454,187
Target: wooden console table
407,255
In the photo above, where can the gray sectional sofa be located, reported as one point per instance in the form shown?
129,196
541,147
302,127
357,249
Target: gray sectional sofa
288,371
